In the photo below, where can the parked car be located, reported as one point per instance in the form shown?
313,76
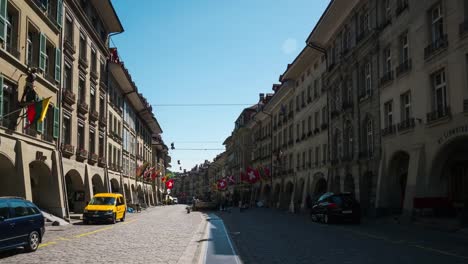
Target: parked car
331,207
175,201
21,224
105,207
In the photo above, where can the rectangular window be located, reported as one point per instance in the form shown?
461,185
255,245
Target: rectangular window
388,60
81,137
93,61
405,106
92,99
437,23
404,48
66,130
81,91
82,47
439,91
388,110
68,30
324,153
92,141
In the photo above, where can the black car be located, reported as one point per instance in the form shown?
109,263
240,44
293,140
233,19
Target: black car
21,224
331,207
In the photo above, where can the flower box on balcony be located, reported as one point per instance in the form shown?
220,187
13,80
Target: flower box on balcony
435,46
81,154
83,108
438,114
68,150
93,158
102,162
102,121
69,46
406,124
69,97
403,67
83,63
94,115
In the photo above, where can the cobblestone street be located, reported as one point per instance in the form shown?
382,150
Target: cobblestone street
271,236
157,235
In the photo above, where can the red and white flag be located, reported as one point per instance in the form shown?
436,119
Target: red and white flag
222,184
252,175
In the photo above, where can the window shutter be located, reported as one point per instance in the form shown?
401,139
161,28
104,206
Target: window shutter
59,12
42,49
3,12
40,126
56,122
1,95
58,64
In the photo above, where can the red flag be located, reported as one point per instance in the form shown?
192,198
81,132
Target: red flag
154,174
252,175
170,184
222,184
231,180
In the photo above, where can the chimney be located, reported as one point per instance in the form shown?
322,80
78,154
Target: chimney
262,97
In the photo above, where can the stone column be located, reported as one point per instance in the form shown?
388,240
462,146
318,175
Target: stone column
415,172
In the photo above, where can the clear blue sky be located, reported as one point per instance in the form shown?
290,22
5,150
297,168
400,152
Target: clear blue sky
209,51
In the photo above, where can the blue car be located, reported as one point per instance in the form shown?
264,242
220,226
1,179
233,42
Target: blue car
21,224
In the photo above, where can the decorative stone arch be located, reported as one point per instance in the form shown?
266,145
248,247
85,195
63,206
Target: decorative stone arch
98,184
449,171
287,195
276,194
77,193
115,186
319,185
10,181
128,196
266,194
44,187
299,191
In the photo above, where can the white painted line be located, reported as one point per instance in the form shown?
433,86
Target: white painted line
230,243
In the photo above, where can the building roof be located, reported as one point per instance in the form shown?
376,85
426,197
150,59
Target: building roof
108,15
130,91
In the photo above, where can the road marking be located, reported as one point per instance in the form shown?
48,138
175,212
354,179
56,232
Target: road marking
94,232
47,244
405,242
441,252
128,222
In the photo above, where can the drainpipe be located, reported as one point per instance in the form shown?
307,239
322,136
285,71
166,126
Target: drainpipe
106,170
60,136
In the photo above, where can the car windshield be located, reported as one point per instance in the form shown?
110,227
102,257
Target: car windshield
102,201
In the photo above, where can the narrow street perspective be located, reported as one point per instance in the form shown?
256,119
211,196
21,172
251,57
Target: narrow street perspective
248,131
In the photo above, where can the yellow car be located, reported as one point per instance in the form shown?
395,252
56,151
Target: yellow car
105,207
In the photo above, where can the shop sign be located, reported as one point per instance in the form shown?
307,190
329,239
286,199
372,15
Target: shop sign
453,132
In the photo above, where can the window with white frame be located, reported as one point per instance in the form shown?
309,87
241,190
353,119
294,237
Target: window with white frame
405,106
388,60
404,48
388,111
439,92
437,22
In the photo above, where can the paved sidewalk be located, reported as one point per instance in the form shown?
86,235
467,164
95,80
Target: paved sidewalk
157,235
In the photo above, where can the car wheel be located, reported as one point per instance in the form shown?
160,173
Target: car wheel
123,218
114,219
34,240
